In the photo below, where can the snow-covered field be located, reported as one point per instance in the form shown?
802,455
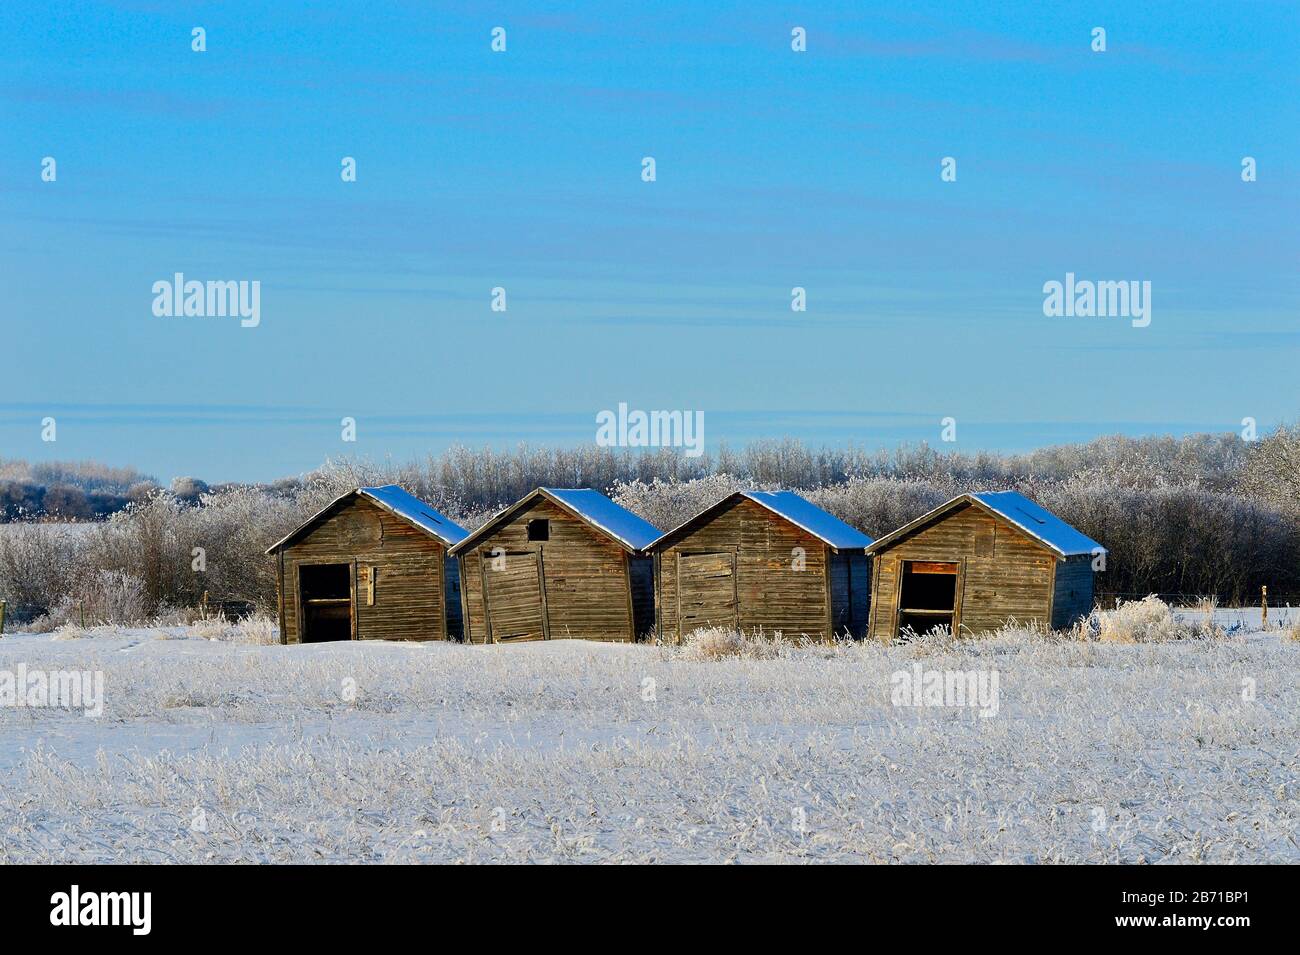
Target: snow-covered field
578,752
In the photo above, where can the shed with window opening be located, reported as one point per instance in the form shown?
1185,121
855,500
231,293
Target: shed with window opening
978,562
372,565
561,563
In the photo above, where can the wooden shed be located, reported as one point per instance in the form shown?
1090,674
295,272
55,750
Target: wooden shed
372,565
762,559
562,563
979,562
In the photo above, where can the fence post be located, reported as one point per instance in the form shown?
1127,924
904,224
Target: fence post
3,604
1263,603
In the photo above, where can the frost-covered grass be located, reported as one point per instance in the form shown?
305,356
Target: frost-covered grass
1149,620
569,751
720,643
256,629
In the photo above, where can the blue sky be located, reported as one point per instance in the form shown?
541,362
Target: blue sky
522,169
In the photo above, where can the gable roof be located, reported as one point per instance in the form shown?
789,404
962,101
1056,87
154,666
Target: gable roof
805,515
1016,509
391,498
594,509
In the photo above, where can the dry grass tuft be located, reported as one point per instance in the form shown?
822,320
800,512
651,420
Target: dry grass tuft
721,643
258,630
936,640
1149,620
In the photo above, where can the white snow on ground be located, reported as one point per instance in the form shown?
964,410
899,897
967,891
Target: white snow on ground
1243,619
552,752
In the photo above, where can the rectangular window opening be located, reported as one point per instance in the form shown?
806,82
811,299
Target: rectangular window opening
326,594
929,596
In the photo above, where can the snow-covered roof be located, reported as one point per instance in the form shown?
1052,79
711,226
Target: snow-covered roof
1013,507
407,505
392,498
802,513
1039,522
810,517
593,508
614,519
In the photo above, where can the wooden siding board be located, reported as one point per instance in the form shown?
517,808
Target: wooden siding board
830,602
279,602
541,593
471,591
659,595
872,628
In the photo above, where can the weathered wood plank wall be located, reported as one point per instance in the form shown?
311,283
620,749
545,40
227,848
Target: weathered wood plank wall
1005,574
751,551
582,582
408,585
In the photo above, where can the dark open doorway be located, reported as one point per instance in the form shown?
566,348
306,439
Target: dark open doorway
326,593
928,598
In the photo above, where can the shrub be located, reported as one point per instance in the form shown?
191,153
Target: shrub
720,643
108,597
258,629
1149,620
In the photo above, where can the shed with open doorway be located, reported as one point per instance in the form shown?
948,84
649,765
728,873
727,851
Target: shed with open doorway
561,563
372,565
767,560
978,562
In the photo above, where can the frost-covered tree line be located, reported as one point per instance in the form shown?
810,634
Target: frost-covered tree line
1204,515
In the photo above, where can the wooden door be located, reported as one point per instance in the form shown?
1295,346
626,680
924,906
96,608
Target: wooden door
706,591
514,597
